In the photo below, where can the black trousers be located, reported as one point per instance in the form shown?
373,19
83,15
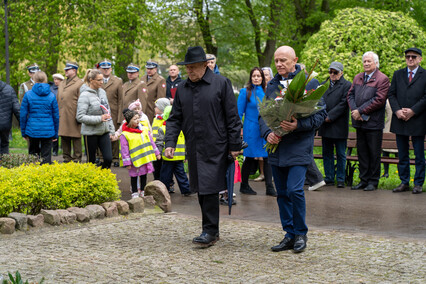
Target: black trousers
41,147
209,204
249,164
104,144
369,146
157,169
4,141
134,183
313,174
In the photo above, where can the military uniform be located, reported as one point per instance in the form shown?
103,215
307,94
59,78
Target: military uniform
132,91
69,128
156,89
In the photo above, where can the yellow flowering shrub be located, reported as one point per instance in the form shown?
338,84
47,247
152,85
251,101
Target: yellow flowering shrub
30,188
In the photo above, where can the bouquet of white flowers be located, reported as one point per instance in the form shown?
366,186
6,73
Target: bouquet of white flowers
292,100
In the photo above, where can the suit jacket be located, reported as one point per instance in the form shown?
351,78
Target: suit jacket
131,92
403,94
114,91
156,89
337,111
68,94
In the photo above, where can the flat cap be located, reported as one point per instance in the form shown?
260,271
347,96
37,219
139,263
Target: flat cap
336,66
414,49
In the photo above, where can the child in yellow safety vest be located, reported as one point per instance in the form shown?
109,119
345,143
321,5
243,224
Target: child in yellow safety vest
158,131
138,150
175,165
143,119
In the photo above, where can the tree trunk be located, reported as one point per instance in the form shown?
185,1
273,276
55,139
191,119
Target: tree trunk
203,21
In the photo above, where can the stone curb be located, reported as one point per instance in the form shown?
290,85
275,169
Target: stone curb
23,222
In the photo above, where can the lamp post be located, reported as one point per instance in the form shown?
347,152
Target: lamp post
6,33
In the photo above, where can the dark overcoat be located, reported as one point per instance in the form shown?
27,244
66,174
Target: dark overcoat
337,111
403,94
206,112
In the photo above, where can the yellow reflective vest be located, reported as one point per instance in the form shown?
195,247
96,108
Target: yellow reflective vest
179,150
156,125
140,148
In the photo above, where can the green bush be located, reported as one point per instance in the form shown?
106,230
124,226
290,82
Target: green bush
358,30
15,160
30,188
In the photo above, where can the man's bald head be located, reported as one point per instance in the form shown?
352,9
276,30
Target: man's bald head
285,60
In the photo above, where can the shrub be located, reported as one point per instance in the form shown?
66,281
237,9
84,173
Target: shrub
30,188
15,160
358,30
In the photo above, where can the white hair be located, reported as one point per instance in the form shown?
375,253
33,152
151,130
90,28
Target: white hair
375,57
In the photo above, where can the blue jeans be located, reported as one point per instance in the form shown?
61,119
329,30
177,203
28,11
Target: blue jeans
168,168
291,198
402,142
334,171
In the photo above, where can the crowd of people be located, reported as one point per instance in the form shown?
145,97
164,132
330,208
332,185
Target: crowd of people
159,123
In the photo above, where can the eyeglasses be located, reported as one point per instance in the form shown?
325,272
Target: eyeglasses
333,72
410,57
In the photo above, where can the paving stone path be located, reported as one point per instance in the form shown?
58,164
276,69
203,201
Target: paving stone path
157,248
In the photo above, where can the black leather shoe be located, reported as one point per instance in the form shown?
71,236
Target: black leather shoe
186,194
271,192
370,187
116,164
417,189
359,186
285,244
205,240
340,184
300,243
246,189
402,187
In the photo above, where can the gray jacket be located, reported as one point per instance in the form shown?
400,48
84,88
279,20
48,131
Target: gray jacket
89,112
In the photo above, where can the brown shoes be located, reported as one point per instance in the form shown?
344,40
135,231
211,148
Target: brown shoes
402,187
417,189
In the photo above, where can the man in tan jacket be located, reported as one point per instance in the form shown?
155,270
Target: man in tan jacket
69,128
156,88
133,89
114,90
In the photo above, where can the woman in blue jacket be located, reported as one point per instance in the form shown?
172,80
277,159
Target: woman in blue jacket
248,101
40,118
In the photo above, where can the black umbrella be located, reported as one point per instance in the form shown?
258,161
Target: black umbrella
230,172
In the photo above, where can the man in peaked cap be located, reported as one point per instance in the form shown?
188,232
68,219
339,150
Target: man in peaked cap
28,85
205,110
407,97
69,128
133,89
156,87
114,90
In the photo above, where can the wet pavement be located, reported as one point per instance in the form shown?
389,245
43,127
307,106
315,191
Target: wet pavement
380,212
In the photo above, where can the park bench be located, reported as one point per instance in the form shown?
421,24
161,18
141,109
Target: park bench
389,142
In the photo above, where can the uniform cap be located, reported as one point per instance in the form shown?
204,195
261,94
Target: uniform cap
151,64
32,68
71,65
132,68
105,64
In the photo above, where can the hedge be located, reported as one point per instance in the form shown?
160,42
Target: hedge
30,188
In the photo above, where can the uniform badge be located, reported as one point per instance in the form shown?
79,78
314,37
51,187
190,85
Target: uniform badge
164,85
144,90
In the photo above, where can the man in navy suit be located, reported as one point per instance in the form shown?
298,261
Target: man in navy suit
407,97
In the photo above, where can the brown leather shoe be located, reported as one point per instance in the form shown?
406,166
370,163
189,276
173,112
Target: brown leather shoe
417,189
402,187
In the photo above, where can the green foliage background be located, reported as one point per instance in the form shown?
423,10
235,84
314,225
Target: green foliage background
355,31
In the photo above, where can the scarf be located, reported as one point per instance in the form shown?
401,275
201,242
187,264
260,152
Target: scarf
128,129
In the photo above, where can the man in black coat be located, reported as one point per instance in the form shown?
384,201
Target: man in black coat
407,97
9,104
205,109
334,130
172,82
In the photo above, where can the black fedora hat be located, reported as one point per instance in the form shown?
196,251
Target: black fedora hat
194,54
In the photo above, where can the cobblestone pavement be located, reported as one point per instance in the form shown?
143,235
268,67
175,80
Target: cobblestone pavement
157,248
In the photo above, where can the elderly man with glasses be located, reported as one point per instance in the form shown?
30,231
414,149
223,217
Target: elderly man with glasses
334,130
407,97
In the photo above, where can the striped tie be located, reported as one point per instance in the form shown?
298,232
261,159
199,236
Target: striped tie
410,77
